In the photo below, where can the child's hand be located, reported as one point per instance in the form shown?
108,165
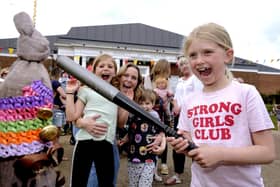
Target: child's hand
72,85
170,94
154,146
207,156
178,144
123,140
94,128
157,150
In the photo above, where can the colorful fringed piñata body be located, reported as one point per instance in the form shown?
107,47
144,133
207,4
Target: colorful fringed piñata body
20,123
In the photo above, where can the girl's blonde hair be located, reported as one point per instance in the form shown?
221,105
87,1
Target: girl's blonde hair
102,57
161,68
210,32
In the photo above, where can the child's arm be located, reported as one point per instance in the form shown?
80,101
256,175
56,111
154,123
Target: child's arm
73,110
163,142
62,95
176,108
158,148
91,126
262,152
123,140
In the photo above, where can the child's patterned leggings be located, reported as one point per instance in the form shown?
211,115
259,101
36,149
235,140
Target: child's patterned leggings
140,174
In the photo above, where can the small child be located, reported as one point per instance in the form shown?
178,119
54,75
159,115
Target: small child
141,158
163,91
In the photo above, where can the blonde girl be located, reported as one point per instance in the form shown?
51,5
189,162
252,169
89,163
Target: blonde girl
227,120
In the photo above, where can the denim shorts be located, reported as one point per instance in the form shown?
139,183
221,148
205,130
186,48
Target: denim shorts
58,118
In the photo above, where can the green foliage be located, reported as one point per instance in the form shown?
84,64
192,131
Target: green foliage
269,108
269,100
274,120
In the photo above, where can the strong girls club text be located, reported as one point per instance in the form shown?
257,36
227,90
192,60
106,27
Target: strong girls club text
213,121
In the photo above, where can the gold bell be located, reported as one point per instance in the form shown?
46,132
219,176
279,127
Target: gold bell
44,113
49,133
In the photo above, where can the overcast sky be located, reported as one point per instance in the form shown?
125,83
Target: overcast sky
254,25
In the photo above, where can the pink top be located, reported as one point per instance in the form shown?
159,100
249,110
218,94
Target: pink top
227,118
164,93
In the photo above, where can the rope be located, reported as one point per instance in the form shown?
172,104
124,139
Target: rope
34,12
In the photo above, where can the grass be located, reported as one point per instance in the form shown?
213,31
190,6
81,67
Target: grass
274,120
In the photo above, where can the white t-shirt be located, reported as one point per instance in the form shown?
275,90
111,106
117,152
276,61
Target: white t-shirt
226,117
97,104
185,87
148,83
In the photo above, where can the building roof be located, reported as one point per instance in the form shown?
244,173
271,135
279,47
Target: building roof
244,65
136,34
12,43
132,34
